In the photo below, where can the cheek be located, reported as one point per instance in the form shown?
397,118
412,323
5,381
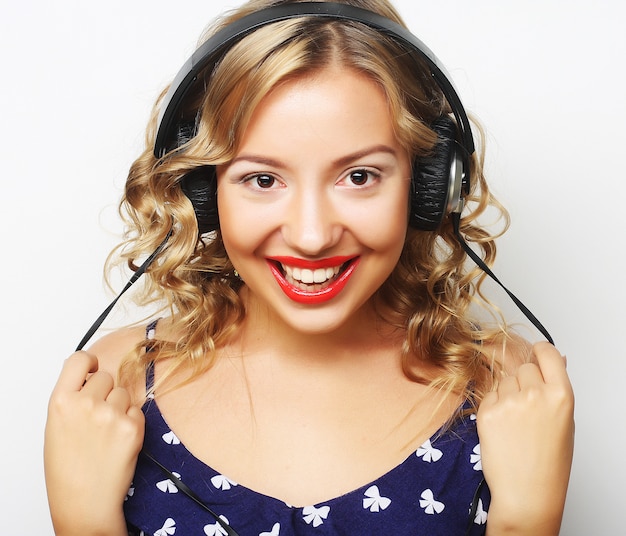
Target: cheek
243,227
231,224
384,226
386,237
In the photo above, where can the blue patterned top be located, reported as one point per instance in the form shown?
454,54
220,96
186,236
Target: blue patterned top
430,493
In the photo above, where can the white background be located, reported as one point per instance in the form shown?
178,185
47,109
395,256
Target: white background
545,77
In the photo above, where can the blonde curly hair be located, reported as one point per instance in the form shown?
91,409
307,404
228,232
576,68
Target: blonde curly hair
430,291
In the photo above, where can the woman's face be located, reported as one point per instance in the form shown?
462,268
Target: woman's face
314,205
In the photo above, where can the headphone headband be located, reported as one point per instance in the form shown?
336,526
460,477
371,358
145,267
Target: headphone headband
212,49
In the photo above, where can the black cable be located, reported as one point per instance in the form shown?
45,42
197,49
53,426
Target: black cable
186,490
456,217
474,507
94,327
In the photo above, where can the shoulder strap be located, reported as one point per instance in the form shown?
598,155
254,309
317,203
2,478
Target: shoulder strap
150,335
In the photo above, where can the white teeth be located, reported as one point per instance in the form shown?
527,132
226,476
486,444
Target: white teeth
319,276
309,277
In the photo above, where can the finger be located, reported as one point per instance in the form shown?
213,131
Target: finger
490,400
119,398
100,384
551,363
135,413
528,375
75,370
508,385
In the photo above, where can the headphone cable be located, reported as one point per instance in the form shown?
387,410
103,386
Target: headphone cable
138,273
186,490
456,218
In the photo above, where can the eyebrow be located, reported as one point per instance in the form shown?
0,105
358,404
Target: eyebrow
342,161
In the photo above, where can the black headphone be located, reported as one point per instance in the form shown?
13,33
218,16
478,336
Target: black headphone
439,181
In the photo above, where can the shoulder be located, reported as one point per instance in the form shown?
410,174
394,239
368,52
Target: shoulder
113,348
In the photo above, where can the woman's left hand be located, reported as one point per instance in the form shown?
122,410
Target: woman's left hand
526,430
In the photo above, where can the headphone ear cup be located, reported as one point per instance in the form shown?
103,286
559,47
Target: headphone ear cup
434,177
200,186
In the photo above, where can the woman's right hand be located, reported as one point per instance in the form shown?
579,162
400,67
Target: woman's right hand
92,440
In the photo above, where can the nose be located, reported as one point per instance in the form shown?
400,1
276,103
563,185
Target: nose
311,226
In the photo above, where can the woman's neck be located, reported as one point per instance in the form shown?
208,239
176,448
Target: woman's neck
365,334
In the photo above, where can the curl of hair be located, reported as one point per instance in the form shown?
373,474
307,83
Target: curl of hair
430,291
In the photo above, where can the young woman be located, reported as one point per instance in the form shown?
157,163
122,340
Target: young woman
308,184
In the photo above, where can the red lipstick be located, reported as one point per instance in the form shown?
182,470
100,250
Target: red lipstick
313,297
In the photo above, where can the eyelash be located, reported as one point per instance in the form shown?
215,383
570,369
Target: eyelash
369,175
254,179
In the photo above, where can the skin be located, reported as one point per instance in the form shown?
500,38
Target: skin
526,431
92,439
325,169
310,172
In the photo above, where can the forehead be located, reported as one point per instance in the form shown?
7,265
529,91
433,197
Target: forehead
335,107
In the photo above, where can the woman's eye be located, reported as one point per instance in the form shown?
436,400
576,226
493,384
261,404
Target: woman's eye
358,177
361,177
263,181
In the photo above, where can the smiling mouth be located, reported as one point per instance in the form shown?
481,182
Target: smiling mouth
312,282
308,279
